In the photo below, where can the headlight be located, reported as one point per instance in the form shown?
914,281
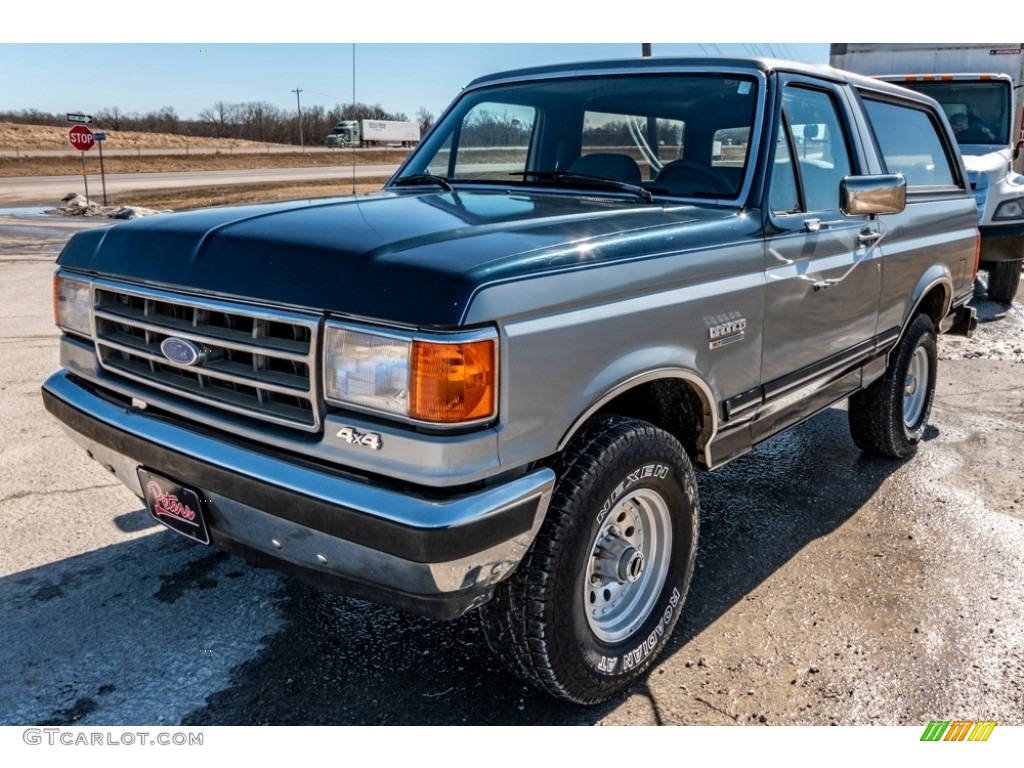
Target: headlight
1011,209
449,381
72,304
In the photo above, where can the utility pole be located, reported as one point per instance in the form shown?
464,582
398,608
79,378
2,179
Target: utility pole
298,105
354,118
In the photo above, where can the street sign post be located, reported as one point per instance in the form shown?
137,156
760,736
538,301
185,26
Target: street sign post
100,138
82,139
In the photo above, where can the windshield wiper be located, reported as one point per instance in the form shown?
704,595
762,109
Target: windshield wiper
423,178
560,176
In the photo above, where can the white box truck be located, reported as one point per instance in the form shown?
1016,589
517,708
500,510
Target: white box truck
374,133
978,86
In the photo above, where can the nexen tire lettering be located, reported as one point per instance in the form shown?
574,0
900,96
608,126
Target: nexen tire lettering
659,471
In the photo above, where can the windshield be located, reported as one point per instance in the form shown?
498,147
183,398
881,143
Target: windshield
979,112
684,134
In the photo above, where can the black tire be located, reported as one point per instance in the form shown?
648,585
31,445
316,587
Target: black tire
600,591
889,417
1003,281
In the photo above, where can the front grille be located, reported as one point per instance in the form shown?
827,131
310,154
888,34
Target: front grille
259,363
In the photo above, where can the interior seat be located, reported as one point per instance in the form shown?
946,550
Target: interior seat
608,165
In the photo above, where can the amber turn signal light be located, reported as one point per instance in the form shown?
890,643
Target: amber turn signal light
452,383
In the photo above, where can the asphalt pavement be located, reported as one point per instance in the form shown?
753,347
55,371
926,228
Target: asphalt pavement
49,190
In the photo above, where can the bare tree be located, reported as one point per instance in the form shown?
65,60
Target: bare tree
260,119
255,120
33,117
425,118
222,117
110,117
360,111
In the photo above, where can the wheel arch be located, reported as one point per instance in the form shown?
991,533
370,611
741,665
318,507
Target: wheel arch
933,296
674,399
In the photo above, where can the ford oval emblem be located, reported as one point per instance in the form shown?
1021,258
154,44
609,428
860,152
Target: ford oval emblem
181,351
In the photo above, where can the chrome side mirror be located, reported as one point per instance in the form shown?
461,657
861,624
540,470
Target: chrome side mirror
873,195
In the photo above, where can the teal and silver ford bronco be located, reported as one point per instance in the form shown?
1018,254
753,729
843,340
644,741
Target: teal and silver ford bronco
487,387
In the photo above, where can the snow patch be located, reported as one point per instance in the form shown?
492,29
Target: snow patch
75,204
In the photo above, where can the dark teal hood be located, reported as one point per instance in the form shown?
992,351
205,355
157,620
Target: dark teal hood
415,258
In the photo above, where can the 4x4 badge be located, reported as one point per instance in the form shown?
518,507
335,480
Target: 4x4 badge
365,439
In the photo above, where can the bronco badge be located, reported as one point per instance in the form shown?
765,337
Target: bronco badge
722,332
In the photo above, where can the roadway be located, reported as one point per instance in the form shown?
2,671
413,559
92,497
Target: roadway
283,149
48,190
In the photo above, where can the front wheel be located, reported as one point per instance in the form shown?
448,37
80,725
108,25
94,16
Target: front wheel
888,418
1003,281
598,595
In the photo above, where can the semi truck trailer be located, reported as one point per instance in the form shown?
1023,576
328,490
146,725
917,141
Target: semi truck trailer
373,133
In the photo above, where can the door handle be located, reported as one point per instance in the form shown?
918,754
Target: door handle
816,225
868,236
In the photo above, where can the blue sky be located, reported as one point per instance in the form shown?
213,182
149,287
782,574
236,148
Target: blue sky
400,77
64,55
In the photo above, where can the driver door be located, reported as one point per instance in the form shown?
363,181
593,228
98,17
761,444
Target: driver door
822,268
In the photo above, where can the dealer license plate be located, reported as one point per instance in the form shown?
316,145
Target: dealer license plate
175,506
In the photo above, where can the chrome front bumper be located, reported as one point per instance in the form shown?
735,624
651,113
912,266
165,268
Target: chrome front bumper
439,554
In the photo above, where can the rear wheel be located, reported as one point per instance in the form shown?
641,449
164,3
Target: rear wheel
1003,281
889,417
598,595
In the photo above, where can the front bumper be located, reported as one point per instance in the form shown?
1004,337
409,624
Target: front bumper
439,554
1002,242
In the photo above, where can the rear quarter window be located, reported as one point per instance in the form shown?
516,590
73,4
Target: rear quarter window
910,142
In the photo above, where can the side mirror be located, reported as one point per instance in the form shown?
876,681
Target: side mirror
873,195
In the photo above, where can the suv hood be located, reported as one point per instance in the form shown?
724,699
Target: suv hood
410,257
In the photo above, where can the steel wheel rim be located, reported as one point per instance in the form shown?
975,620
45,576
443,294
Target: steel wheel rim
627,565
915,388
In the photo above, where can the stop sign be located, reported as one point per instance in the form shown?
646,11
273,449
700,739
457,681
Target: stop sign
81,137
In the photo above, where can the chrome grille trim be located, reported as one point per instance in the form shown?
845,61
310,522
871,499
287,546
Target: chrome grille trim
264,360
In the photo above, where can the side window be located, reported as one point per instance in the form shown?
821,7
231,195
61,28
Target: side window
493,142
910,144
783,197
814,129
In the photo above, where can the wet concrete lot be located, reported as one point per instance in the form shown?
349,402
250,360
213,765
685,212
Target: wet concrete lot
830,587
